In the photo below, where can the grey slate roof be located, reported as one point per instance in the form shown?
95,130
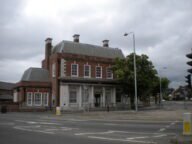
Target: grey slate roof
36,74
6,85
87,49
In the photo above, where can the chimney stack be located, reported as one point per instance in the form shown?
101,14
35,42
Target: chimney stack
105,43
76,38
48,47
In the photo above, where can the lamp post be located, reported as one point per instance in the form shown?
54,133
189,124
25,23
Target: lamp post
160,88
135,69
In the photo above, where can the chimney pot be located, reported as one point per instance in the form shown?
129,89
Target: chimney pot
105,43
76,37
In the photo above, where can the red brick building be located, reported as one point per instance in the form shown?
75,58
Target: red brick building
75,76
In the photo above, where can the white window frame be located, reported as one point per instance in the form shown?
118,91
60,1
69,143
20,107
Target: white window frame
45,103
96,71
87,76
36,104
77,74
108,70
29,94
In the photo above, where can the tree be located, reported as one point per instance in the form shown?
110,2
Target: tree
147,77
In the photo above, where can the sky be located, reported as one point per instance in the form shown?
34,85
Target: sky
163,31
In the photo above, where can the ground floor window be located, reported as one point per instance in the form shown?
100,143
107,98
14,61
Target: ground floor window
73,95
37,99
45,99
29,98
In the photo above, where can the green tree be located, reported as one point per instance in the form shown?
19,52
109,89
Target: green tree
146,76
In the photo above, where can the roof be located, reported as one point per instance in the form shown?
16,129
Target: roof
6,85
87,49
36,74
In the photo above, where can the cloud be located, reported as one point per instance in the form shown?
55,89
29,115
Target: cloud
162,30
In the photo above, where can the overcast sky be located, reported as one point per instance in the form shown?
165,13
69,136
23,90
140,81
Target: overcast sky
163,31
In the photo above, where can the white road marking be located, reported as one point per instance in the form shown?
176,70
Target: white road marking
110,124
125,140
31,129
157,136
91,133
35,122
132,138
162,129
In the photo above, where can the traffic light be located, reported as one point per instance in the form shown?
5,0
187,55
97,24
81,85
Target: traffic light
189,62
188,77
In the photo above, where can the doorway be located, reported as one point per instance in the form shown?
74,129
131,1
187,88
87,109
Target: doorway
97,100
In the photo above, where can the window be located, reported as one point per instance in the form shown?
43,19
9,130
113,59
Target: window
98,72
53,70
37,99
87,71
109,73
74,70
29,98
73,97
45,99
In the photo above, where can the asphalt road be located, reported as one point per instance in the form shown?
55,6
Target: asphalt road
30,128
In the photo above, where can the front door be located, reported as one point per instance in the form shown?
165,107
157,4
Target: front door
97,100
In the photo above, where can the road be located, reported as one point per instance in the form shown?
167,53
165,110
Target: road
37,128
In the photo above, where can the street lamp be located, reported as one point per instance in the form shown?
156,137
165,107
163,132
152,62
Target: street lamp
135,69
160,87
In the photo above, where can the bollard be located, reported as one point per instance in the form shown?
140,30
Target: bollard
58,111
187,124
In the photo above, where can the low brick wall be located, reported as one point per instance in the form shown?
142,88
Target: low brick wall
10,106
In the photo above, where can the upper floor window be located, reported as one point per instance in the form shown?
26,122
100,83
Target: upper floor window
98,72
87,71
109,73
74,70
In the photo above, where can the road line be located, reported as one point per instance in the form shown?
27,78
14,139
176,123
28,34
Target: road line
157,136
125,140
132,138
162,129
111,124
108,132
